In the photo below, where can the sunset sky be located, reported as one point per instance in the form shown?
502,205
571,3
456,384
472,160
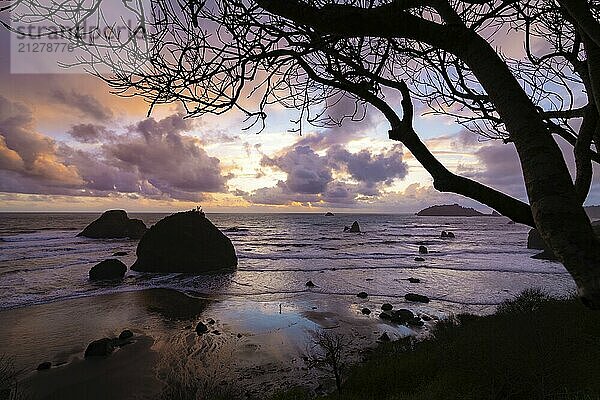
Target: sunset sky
67,144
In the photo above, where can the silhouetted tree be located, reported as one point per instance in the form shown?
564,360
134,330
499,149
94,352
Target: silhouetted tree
308,55
329,352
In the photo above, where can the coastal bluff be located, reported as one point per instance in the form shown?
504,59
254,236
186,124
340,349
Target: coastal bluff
114,224
185,242
453,210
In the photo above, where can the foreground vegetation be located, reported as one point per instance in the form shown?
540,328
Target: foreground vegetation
533,347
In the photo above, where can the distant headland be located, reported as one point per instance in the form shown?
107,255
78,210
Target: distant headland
453,210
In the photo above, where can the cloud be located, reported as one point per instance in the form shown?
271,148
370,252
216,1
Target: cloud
86,104
307,172
152,159
27,154
171,161
310,176
499,167
90,133
367,167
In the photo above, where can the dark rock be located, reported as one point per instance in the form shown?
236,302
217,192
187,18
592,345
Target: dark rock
355,228
100,348
120,254
414,280
387,307
444,234
239,336
310,284
185,242
201,328
362,295
43,366
415,321
416,297
535,241
402,316
545,255
453,210
215,332
329,214
385,315
365,311
426,317
235,229
423,250
384,338
419,259
210,321
108,269
114,224
451,235
126,334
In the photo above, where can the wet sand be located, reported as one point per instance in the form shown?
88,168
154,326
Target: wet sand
128,373
253,347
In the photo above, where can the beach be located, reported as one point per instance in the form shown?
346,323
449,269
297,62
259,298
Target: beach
251,347
265,316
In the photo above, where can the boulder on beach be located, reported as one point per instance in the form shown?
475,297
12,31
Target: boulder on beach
201,328
100,348
387,307
384,337
423,250
119,254
126,334
355,228
43,366
310,284
419,259
108,270
114,224
402,316
414,280
362,295
185,242
416,297
365,311
329,214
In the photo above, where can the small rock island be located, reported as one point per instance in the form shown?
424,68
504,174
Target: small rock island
453,210
185,242
114,224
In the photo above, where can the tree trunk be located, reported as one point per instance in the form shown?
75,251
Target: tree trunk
557,212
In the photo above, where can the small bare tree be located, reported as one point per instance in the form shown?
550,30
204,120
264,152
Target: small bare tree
329,352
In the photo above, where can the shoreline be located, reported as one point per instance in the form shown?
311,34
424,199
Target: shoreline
250,343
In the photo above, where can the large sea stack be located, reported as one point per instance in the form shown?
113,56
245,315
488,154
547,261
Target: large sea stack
453,210
185,242
114,224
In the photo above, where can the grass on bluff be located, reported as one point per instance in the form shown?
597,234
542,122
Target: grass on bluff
533,347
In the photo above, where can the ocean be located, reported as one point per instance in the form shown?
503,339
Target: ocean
42,260
263,317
